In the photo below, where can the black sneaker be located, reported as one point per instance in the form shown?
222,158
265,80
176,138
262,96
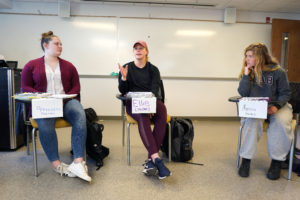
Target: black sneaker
163,171
274,170
150,169
244,168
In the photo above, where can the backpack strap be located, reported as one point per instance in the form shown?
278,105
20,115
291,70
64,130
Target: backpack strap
193,163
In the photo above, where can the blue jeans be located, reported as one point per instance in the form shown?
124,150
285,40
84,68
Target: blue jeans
75,115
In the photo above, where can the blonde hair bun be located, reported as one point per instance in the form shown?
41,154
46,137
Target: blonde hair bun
47,34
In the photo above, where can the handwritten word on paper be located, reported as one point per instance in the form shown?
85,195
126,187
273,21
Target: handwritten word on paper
47,108
253,108
144,105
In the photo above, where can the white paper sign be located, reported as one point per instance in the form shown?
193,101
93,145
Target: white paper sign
253,108
144,105
47,108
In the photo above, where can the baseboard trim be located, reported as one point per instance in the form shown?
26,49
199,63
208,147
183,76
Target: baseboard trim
200,118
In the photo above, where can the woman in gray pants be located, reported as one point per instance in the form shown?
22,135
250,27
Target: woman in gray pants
261,76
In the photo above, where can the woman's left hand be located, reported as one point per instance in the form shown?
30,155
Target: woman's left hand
124,71
151,115
272,110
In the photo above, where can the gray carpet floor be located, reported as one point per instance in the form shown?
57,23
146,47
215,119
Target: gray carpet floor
214,145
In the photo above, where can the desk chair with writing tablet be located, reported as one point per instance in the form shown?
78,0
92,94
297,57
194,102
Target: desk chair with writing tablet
130,120
60,123
295,102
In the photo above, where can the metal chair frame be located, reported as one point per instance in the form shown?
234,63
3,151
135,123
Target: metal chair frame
60,123
123,113
128,140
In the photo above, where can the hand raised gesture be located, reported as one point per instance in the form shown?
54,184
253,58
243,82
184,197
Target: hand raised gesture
123,71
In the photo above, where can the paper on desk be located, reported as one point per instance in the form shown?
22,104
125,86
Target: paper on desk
47,108
27,96
139,94
255,98
63,96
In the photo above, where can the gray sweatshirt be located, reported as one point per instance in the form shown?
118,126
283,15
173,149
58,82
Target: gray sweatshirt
274,85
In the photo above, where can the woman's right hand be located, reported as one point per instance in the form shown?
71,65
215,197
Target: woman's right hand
248,69
123,71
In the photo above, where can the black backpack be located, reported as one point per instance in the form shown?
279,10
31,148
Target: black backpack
296,162
94,147
90,115
296,165
182,139
295,102
295,96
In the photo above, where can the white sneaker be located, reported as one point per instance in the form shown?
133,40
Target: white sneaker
85,166
62,169
80,170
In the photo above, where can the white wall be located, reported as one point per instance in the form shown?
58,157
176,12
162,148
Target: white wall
184,97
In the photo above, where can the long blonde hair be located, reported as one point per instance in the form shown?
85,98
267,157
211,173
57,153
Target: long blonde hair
147,57
264,61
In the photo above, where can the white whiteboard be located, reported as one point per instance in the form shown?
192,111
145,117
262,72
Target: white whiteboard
89,43
193,54
95,45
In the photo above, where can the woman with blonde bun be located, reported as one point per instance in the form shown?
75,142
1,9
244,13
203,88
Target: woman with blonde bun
54,75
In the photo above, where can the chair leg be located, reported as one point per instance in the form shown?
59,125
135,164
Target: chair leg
294,141
128,143
170,147
123,125
27,127
238,147
34,152
291,159
27,139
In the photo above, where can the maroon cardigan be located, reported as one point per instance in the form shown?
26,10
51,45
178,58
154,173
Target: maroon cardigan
33,77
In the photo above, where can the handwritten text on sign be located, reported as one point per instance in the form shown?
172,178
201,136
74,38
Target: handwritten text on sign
47,108
253,109
144,105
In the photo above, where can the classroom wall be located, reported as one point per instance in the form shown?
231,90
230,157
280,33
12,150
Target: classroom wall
199,94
